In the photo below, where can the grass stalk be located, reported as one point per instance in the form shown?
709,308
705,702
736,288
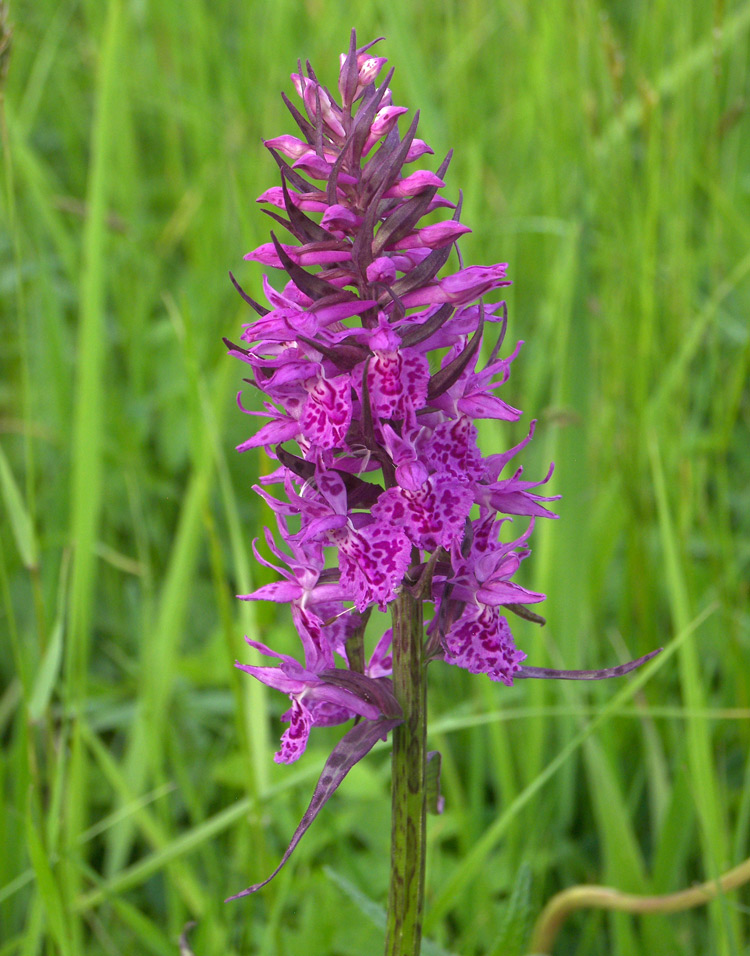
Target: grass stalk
86,452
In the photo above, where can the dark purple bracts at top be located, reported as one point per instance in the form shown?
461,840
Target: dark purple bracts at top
371,366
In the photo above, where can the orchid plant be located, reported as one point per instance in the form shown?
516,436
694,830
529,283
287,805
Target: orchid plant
374,368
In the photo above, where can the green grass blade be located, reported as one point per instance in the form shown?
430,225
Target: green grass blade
18,515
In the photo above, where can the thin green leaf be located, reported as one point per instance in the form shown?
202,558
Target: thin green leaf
18,515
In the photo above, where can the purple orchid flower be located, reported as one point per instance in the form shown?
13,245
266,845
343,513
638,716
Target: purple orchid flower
370,364
319,697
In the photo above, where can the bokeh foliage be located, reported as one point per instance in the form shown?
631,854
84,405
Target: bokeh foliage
603,150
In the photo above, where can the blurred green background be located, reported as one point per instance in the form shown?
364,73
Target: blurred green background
603,150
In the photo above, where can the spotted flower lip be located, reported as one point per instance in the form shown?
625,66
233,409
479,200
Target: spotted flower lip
317,700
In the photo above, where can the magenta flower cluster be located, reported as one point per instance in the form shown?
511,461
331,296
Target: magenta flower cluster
370,362
374,370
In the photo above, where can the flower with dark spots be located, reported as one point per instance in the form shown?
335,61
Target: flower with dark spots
432,516
397,380
481,641
328,412
315,702
451,450
373,562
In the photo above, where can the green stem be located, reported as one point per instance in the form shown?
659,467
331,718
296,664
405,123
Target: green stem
406,895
